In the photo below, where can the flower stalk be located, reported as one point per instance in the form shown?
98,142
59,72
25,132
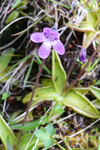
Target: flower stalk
82,71
31,99
49,37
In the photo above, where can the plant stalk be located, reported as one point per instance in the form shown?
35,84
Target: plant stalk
29,104
82,71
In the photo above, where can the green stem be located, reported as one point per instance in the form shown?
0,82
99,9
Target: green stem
69,148
60,146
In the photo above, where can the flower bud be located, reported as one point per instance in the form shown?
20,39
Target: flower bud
82,55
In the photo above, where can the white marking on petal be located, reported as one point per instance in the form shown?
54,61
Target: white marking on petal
58,47
44,50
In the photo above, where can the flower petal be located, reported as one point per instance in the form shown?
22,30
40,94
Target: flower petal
37,37
47,32
59,47
44,50
56,35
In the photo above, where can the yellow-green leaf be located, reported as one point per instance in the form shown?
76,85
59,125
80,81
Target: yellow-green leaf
44,93
5,133
88,37
93,17
80,104
95,91
17,2
3,75
47,82
25,140
12,16
96,103
58,73
5,59
81,27
82,90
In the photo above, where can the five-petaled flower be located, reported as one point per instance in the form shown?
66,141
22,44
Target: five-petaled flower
49,37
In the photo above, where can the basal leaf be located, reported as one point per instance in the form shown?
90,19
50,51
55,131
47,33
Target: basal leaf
93,17
87,26
82,90
5,133
58,73
41,94
81,27
47,82
88,37
9,147
95,91
80,104
5,59
44,93
96,103
58,108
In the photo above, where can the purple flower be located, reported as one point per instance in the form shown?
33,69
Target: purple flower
82,55
49,37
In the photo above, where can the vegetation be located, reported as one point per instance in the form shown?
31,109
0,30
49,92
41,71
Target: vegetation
50,75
